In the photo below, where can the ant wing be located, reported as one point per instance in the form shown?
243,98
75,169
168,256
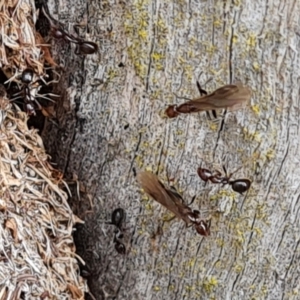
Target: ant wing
231,96
225,91
166,197
228,96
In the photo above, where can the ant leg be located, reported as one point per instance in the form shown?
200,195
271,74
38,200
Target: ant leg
54,80
204,92
234,172
214,113
11,79
199,86
174,192
13,99
179,97
225,170
38,104
192,201
169,220
208,115
46,98
53,95
77,52
208,222
201,91
47,14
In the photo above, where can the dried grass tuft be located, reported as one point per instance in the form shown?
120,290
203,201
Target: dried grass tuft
37,253
21,45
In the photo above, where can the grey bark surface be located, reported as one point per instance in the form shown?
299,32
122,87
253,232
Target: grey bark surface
110,121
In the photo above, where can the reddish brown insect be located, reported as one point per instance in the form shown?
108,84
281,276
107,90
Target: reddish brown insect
228,96
173,202
238,185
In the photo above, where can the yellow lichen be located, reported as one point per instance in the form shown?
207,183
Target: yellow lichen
256,66
157,56
220,242
251,42
234,39
257,231
210,283
149,169
256,109
270,154
142,34
238,268
213,126
218,23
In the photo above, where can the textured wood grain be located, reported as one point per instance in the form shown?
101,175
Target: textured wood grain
110,121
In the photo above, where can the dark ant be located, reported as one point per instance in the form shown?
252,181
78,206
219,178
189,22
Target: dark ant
29,92
27,78
238,185
117,218
170,199
83,47
119,246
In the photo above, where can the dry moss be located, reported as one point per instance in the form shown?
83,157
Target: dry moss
37,253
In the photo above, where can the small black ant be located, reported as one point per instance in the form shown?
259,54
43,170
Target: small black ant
238,185
119,246
29,92
117,218
83,47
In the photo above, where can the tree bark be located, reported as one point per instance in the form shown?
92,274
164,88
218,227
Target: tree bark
110,122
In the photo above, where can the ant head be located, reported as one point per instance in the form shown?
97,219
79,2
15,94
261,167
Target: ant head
240,185
171,111
204,174
27,76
